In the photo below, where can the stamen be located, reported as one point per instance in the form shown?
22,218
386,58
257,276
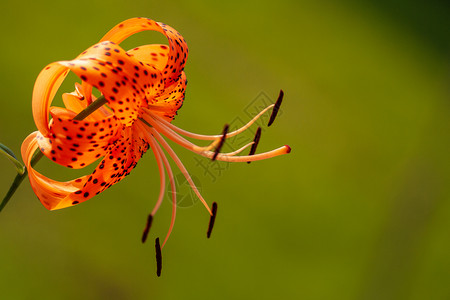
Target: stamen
159,162
276,108
211,146
162,176
255,142
212,219
158,149
202,136
162,162
222,141
84,89
147,228
78,90
238,150
180,165
156,126
158,257
151,122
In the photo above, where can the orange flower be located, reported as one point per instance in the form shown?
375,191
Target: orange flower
144,87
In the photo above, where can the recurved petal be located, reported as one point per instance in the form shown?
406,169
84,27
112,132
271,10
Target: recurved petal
124,81
117,163
167,104
178,49
76,144
51,193
45,88
155,55
77,101
121,158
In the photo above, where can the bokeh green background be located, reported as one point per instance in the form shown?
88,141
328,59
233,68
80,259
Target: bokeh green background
359,210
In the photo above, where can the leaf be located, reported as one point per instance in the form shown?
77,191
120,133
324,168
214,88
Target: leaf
10,155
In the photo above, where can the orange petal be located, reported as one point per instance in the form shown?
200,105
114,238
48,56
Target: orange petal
51,193
76,144
45,88
167,104
125,82
178,49
118,163
155,55
77,101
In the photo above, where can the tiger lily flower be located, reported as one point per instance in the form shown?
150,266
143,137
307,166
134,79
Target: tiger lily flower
143,89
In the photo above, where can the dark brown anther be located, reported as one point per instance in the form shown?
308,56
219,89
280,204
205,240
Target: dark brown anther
276,108
147,228
255,142
212,219
158,257
222,141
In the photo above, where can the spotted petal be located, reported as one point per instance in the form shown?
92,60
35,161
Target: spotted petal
121,158
167,104
147,76
76,144
178,49
125,82
155,55
51,193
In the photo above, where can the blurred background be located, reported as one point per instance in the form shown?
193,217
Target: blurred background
359,210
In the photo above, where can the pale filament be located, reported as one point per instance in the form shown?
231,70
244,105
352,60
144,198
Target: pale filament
153,125
162,174
238,150
195,148
172,186
209,154
180,165
207,137
162,162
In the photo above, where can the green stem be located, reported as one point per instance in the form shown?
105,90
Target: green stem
20,177
91,108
